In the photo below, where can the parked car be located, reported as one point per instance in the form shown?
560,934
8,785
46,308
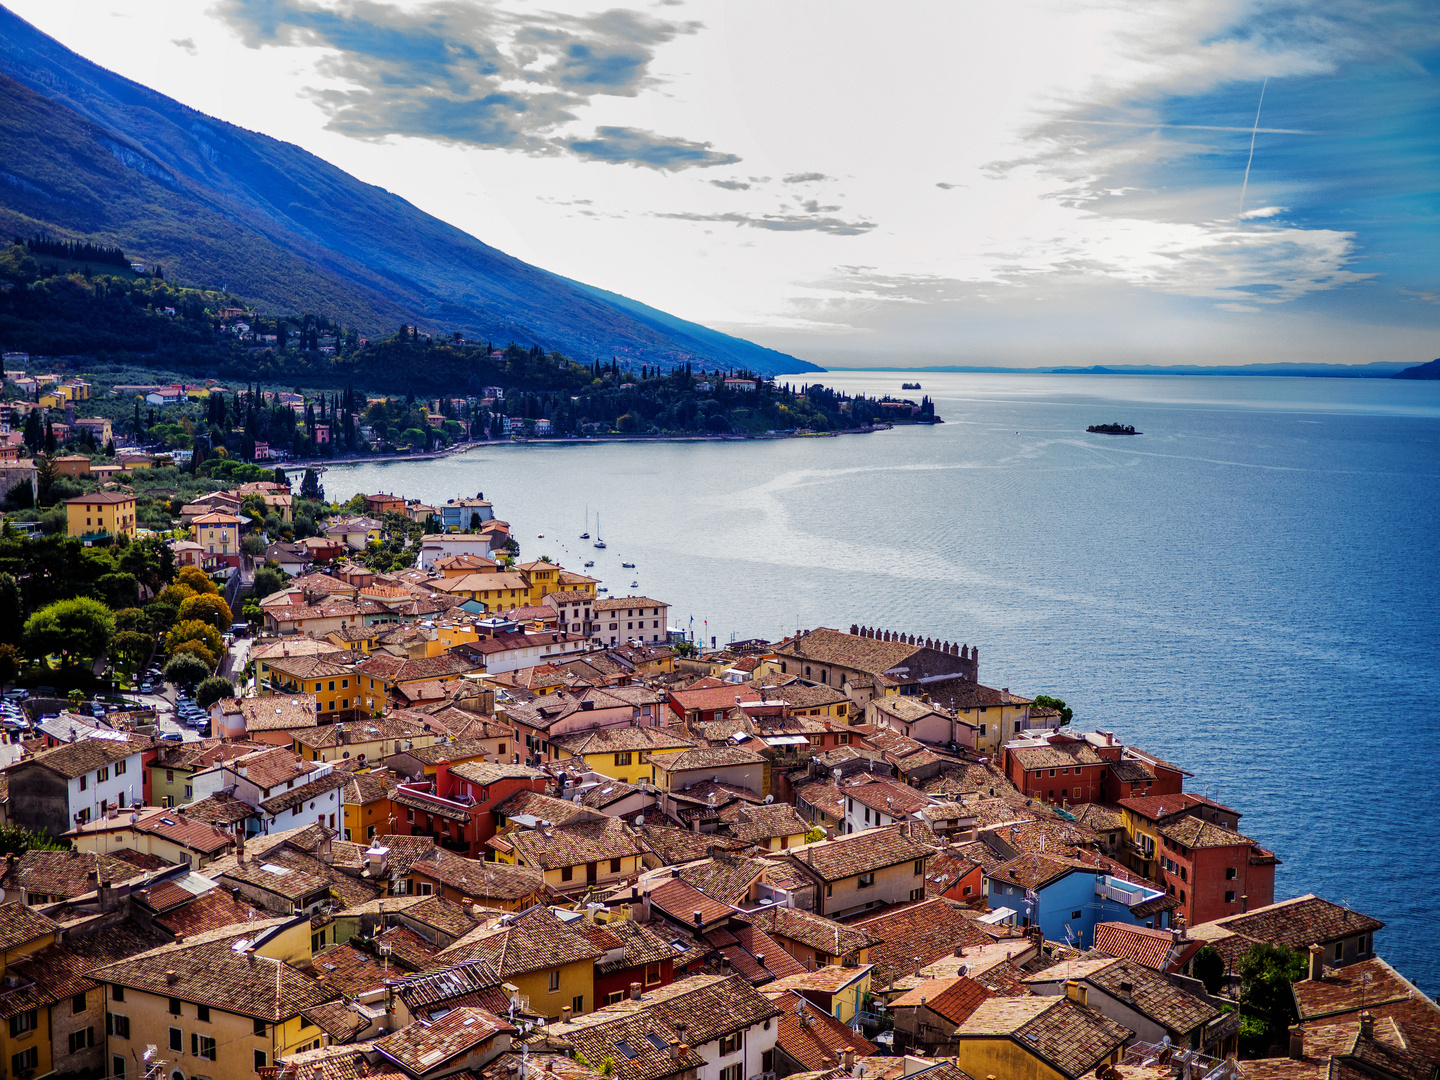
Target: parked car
17,694
171,736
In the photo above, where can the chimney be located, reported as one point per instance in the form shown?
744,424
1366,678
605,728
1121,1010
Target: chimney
1077,991
847,1058
1297,1042
565,1014
760,959
678,1050
172,976
634,991
700,919
1317,963
1367,1025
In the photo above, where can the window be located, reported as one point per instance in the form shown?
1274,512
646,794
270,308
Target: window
554,984
169,776
101,775
917,894
729,1044
919,867
175,1007
577,1004
731,1072
27,1060
120,767
652,974
1339,950
426,888
77,1004
259,1060
84,781
177,1040
615,866
189,792
982,732
967,890
1076,914
81,1039
117,1025
866,880
117,993
767,1059
567,873
117,1067
829,890
613,998
1230,873
1229,896
260,1028
23,1022
1362,944
202,1046
623,758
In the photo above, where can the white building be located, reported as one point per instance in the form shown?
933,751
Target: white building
58,789
630,618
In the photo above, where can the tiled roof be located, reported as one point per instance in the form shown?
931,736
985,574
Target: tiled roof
928,930
1152,994
479,879
444,915
705,1006
726,877
432,989
422,1047
305,792
220,809
19,924
407,948
609,793
1138,943
1160,807
642,945
577,842
536,804
755,954
1062,754
858,853
1035,871
338,1020
945,869
680,900
1069,1037
82,756
485,773
64,874
705,757
813,1037
895,800
1299,923
673,845
372,729
1099,817
278,712
61,971
209,972
869,655
454,752
618,739
1193,832
953,998
814,931
533,940
349,970
213,910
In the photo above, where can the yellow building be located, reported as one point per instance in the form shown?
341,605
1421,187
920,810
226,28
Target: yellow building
448,635
1038,1038
370,739
368,810
544,579
25,1041
72,465
498,885
217,533
621,753
212,1005
105,513
335,686
549,963
495,591
587,851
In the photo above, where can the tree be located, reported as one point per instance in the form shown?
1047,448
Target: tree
9,664
208,608
186,670
131,649
202,633
253,545
118,590
1266,974
195,578
1059,706
16,841
213,689
1209,967
12,611
70,629
176,594
268,581
310,486
474,520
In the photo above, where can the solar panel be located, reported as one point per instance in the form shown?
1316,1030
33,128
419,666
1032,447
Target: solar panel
629,1051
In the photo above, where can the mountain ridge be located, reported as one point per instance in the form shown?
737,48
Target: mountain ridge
293,224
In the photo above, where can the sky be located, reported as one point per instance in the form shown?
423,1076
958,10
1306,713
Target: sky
1031,183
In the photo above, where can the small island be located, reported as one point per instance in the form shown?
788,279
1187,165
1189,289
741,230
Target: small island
1114,429
910,386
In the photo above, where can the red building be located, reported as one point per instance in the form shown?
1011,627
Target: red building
1056,767
1214,871
634,957
457,808
1132,773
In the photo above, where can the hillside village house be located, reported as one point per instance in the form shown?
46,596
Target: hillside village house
868,869
590,850
630,618
104,513
219,534
549,963
58,789
165,833
888,664
1040,1038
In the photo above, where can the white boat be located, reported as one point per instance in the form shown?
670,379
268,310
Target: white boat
586,534
628,565
590,563
634,584
598,542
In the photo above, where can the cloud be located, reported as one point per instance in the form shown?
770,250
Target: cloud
1263,212
806,178
188,44
731,185
632,146
477,74
782,222
949,187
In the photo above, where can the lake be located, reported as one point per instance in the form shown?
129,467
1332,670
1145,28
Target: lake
1247,589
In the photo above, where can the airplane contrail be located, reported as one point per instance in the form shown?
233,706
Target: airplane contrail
1253,131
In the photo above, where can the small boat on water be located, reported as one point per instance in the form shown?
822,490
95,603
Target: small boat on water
598,542
540,536
634,584
628,565
590,563
586,534
602,588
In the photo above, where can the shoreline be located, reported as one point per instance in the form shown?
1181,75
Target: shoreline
572,440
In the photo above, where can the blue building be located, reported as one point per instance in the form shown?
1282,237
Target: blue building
1067,898
457,513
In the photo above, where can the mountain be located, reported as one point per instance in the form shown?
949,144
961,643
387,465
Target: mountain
1420,371
86,154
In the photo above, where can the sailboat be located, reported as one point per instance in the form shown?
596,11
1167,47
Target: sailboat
586,534
598,542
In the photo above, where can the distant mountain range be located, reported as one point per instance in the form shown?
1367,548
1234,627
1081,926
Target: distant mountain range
86,154
1378,370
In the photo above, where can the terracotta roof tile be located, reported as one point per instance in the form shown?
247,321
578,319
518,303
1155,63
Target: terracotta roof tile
814,931
858,853
812,1037
929,930
533,940
1069,1037
425,1047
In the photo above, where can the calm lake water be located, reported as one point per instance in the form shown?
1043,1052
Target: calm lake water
1248,589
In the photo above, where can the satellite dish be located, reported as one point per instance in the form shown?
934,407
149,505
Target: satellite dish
2,896
639,820
769,799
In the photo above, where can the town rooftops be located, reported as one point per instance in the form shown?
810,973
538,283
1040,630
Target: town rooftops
1070,1038
1141,944
814,931
706,757
1194,832
953,998
811,1036
615,603
478,878
278,712
109,498
61,875
178,825
869,655
217,970
1161,807
929,930
1032,870
1299,923
533,940
680,900
85,754
421,1048
485,773
620,739
573,843
1062,753
20,923
860,853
